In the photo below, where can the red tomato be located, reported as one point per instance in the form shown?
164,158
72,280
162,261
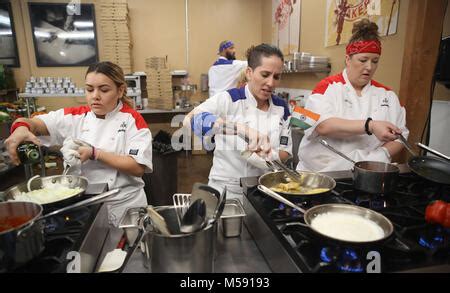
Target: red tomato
436,212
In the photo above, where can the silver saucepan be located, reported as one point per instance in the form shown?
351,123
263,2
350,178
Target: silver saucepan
22,229
372,217
371,176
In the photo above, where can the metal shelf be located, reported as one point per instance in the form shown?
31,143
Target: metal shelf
324,70
25,95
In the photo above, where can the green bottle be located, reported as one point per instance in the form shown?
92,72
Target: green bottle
28,153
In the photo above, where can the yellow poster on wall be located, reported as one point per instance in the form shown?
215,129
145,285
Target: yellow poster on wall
341,14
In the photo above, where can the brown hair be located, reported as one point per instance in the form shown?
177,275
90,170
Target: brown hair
364,30
115,73
254,54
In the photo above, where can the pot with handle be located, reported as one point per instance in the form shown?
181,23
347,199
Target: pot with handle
431,168
371,176
380,225
22,229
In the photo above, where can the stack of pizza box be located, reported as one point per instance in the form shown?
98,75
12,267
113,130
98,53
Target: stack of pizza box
117,43
159,83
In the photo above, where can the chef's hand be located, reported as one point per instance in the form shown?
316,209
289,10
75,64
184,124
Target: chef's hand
257,142
70,152
256,160
21,134
85,150
76,151
385,131
85,153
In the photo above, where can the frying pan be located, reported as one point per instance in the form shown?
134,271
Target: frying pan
432,168
70,181
345,209
309,180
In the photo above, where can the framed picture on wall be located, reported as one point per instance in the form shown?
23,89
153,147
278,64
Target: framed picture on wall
8,45
63,34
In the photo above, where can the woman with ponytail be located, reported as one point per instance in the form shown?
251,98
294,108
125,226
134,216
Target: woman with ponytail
106,140
359,116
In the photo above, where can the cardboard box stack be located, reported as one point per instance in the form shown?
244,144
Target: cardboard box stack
114,23
159,84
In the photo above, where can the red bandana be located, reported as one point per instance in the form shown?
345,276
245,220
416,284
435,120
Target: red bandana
373,46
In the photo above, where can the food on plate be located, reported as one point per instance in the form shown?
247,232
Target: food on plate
46,195
347,227
295,187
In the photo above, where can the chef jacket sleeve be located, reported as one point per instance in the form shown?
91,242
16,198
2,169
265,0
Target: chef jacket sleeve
59,126
208,112
139,143
216,105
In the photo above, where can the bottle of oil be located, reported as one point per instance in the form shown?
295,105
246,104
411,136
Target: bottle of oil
28,153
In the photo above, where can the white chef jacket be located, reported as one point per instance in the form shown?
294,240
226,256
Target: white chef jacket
123,132
224,75
239,105
335,97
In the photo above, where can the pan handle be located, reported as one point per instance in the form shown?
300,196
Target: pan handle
85,202
278,197
407,145
439,154
29,182
325,144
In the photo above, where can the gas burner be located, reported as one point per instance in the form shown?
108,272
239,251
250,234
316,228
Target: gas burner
70,221
343,259
433,239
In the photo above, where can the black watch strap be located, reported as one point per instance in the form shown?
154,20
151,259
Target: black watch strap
366,126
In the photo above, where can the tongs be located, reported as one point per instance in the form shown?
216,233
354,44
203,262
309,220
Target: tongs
407,145
291,173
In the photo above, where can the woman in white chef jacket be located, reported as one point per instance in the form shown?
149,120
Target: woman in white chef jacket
108,140
358,116
249,124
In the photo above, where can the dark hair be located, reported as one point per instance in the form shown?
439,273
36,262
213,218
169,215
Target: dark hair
254,54
364,30
115,73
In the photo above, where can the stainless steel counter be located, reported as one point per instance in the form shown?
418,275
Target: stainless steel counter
234,255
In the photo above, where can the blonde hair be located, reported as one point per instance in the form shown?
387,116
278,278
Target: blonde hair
242,79
115,73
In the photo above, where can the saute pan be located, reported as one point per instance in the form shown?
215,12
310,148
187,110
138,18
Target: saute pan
378,220
70,181
431,168
309,182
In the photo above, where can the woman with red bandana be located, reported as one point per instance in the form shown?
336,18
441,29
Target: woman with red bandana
358,116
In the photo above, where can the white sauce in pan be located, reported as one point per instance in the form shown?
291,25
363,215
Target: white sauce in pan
347,227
